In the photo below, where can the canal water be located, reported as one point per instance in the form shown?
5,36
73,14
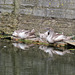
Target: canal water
23,59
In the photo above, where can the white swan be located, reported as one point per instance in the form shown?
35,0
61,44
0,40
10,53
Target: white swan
24,33
54,37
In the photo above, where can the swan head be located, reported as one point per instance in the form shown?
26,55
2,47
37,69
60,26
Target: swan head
50,31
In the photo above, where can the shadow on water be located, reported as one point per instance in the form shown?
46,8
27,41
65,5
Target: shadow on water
22,59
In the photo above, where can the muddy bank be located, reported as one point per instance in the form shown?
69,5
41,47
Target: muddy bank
10,22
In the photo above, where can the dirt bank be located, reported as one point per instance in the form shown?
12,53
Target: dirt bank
10,22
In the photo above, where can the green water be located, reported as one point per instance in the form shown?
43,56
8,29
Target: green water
15,59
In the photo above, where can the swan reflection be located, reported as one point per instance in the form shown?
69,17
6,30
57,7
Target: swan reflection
47,50
52,51
22,45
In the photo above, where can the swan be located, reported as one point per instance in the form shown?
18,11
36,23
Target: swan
24,33
54,37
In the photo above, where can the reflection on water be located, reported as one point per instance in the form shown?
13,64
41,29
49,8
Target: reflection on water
22,45
35,60
52,51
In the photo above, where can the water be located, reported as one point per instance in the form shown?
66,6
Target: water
22,59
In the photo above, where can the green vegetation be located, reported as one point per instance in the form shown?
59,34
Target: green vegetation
28,41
